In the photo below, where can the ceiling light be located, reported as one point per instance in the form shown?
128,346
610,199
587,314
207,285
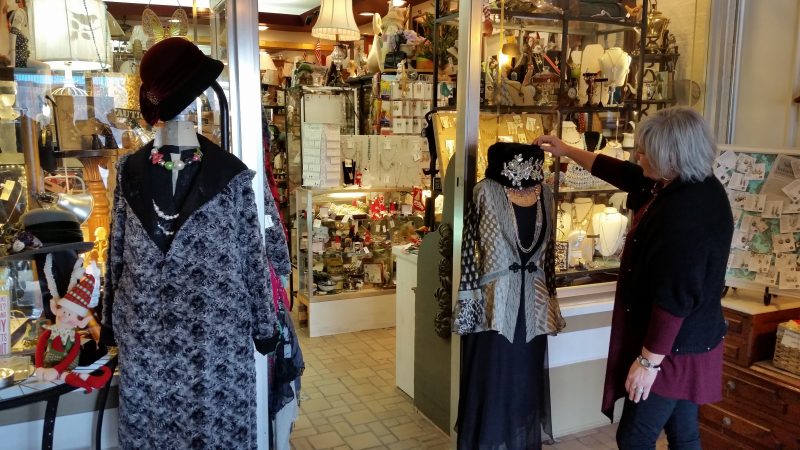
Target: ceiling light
366,14
398,2
262,27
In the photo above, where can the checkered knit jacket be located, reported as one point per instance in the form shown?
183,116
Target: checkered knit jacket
492,274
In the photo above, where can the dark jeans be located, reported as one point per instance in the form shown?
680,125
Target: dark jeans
642,423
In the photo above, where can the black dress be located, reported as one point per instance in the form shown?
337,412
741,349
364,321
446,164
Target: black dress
504,395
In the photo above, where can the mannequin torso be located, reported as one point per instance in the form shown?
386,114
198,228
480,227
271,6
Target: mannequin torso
177,135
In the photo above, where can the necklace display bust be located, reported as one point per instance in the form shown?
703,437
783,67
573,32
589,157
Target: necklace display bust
610,226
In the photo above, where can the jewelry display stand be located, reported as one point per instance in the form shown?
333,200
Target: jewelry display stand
610,227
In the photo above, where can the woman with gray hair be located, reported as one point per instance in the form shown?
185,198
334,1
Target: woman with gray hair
665,352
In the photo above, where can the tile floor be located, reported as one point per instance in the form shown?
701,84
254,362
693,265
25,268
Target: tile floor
349,400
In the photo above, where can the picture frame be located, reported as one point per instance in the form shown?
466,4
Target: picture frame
78,118
373,273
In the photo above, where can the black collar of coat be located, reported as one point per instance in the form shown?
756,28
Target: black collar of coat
217,169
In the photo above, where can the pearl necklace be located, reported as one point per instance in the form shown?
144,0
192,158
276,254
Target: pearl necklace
158,160
164,216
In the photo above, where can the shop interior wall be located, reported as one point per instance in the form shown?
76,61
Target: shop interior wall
769,69
689,22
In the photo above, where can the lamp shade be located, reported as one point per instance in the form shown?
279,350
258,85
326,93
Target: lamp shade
64,34
265,61
336,22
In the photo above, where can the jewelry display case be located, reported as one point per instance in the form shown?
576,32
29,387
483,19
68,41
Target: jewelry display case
575,74
344,258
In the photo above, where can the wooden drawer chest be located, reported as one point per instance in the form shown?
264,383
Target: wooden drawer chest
751,337
760,410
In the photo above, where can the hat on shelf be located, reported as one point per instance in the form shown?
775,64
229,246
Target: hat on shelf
45,231
79,298
174,72
515,165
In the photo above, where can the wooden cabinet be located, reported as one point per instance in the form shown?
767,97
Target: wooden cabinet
751,337
760,410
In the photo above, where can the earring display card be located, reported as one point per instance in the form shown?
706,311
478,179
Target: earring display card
764,192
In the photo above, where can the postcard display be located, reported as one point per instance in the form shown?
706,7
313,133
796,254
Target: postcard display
764,191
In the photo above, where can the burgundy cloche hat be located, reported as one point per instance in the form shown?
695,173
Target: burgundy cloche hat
174,72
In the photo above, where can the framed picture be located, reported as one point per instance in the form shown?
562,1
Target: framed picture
80,118
373,273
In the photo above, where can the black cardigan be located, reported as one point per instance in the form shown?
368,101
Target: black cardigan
677,256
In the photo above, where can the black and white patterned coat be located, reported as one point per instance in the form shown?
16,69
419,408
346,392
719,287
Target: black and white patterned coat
185,321
491,274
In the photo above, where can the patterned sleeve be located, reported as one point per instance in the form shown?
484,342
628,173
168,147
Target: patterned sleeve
256,274
470,310
114,259
274,237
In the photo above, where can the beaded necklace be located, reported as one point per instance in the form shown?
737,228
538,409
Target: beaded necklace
158,160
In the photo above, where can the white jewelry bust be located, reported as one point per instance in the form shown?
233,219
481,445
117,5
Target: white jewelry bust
615,150
615,64
610,227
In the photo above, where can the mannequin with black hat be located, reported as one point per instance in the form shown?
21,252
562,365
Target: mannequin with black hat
187,293
507,303
53,239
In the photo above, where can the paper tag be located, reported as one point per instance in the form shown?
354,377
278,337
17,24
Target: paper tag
8,186
287,350
346,218
530,124
791,340
518,119
523,139
317,223
792,190
727,159
268,223
795,167
391,223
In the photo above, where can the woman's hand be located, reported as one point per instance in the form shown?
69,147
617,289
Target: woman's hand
553,145
559,148
639,382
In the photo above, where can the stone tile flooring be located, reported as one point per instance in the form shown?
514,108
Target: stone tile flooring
349,400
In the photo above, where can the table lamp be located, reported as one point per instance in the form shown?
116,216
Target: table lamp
336,23
74,35
270,70
71,35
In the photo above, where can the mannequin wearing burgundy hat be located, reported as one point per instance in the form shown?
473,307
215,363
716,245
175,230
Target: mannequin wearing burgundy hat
187,292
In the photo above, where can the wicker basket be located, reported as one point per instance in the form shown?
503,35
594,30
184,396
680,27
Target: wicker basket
787,357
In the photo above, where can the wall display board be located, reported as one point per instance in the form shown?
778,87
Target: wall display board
763,187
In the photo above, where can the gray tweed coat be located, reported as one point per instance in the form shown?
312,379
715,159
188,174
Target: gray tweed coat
185,321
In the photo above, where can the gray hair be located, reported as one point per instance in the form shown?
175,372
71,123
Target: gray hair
678,143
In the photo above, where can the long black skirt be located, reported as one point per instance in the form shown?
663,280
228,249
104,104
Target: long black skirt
504,399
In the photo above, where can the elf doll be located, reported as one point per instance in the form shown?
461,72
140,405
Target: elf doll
60,344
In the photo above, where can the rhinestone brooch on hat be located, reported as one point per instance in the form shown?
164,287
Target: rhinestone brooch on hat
518,170
152,97
158,160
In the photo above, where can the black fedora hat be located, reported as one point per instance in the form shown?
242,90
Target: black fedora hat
174,72
46,231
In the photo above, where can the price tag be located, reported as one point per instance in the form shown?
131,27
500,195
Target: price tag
268,221
391,223
317,223
346,218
